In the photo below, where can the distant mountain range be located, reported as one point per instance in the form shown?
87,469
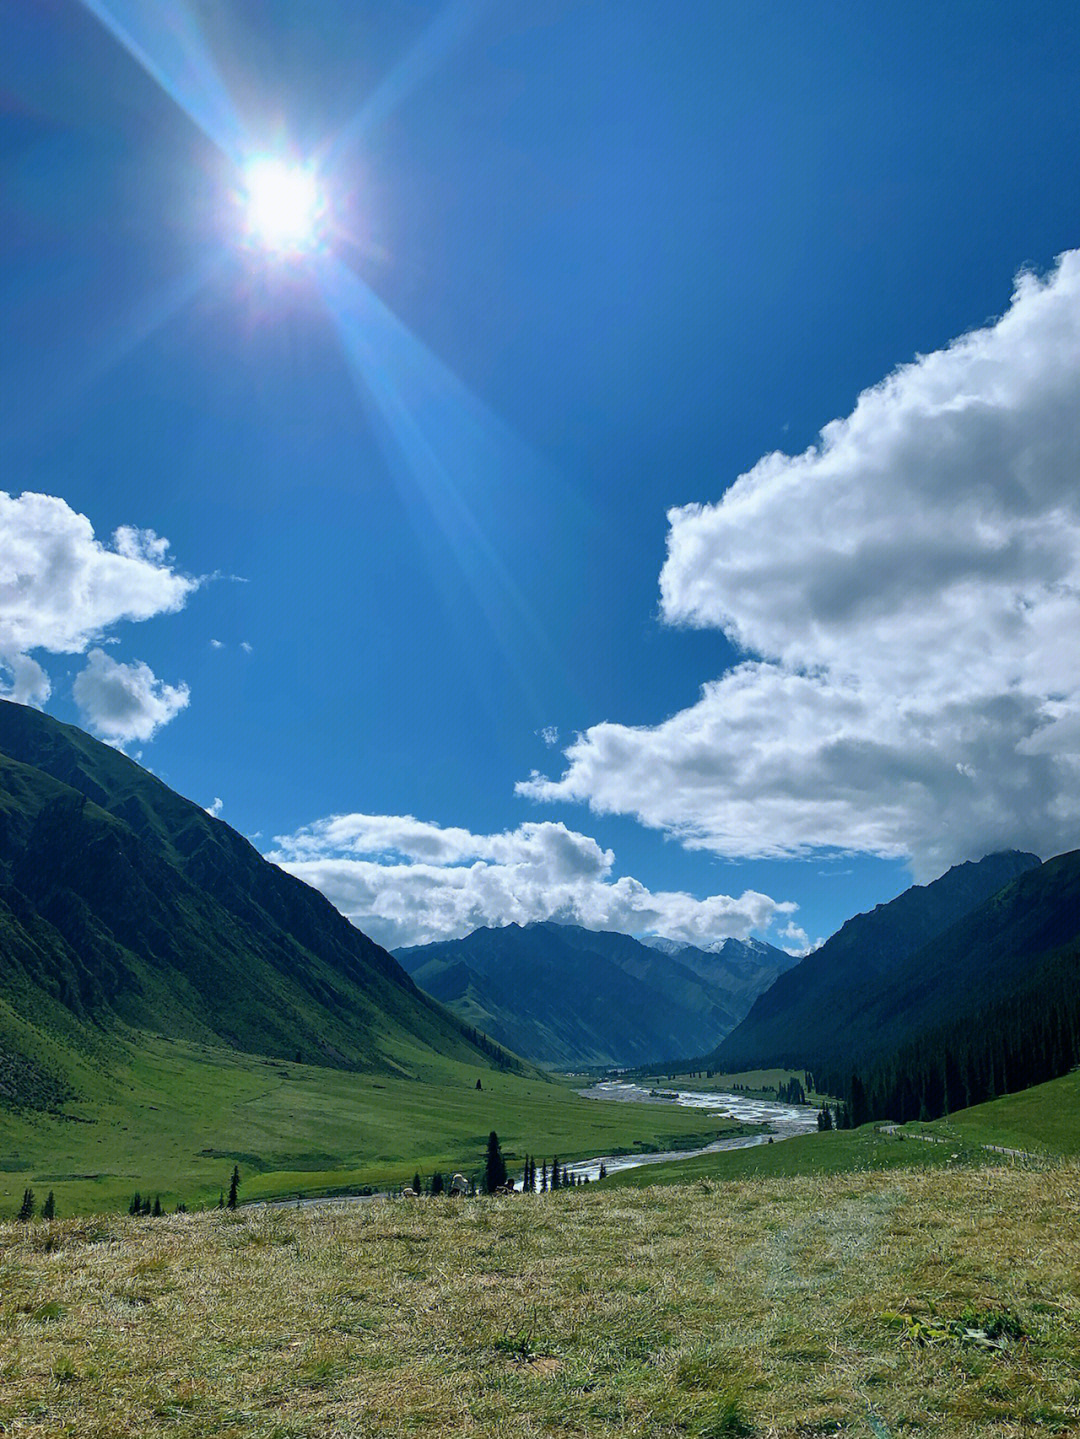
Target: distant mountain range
934,953
570,997
125,907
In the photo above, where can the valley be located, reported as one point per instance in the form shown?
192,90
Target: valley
176,1118
174,1009
539,720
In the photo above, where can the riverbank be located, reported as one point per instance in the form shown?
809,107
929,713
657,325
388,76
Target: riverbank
778,1309
756,1121
185,1114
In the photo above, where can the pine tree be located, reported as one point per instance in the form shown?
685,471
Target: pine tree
418,1183
479,1085
147,1208
26,1208
438,1184
824,1119
603,1170
135,1207
48,1210
221,1200
234,1186
543,1178
495,1173
157,1206
556,1178
860,1110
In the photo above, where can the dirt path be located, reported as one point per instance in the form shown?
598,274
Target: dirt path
940,1139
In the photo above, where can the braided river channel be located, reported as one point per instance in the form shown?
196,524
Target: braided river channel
784,1122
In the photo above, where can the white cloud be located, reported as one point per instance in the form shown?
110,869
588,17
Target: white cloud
217,644
61,588
405,881
798,941
125,702
907,594
245,647
549,734
215,809
22,679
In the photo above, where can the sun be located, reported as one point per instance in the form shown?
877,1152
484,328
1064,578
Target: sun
283,206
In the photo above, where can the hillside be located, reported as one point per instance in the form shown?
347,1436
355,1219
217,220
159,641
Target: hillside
799,1308
567,996
1043,1119
124,907
883,975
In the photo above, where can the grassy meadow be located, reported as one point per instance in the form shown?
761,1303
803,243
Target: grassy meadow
176,1117
943,1303
752,1081
843,1151
1044,1118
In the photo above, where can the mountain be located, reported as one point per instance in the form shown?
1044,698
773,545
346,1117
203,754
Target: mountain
567,996
991,1006
125,907
742,968
874,982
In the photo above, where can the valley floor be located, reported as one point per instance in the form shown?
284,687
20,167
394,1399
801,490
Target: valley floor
798,1307
175,1118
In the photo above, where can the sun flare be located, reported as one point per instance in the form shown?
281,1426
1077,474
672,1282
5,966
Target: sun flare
282,205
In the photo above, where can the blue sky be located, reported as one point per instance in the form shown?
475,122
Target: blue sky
581,263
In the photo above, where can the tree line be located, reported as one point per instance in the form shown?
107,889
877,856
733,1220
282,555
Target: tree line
495,1176
1026,1038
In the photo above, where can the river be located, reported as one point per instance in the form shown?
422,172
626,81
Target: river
784,1121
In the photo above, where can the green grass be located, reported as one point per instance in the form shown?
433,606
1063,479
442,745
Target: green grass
179,1115
843,1151
943,1304
754,1082
1043,1118
1041,1121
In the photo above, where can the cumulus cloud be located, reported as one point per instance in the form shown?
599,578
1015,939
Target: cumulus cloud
906,594
798,941
549,734
406,881
215,809
122,702
61,588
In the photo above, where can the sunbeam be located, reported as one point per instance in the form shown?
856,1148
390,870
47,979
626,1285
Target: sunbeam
72,366
442,36
442,433
164,38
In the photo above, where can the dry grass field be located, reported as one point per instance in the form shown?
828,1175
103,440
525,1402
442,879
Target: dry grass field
795,1307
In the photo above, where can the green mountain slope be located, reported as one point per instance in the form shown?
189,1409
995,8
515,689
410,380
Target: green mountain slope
998,948
563,995
879,979
124,907
1004,1013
